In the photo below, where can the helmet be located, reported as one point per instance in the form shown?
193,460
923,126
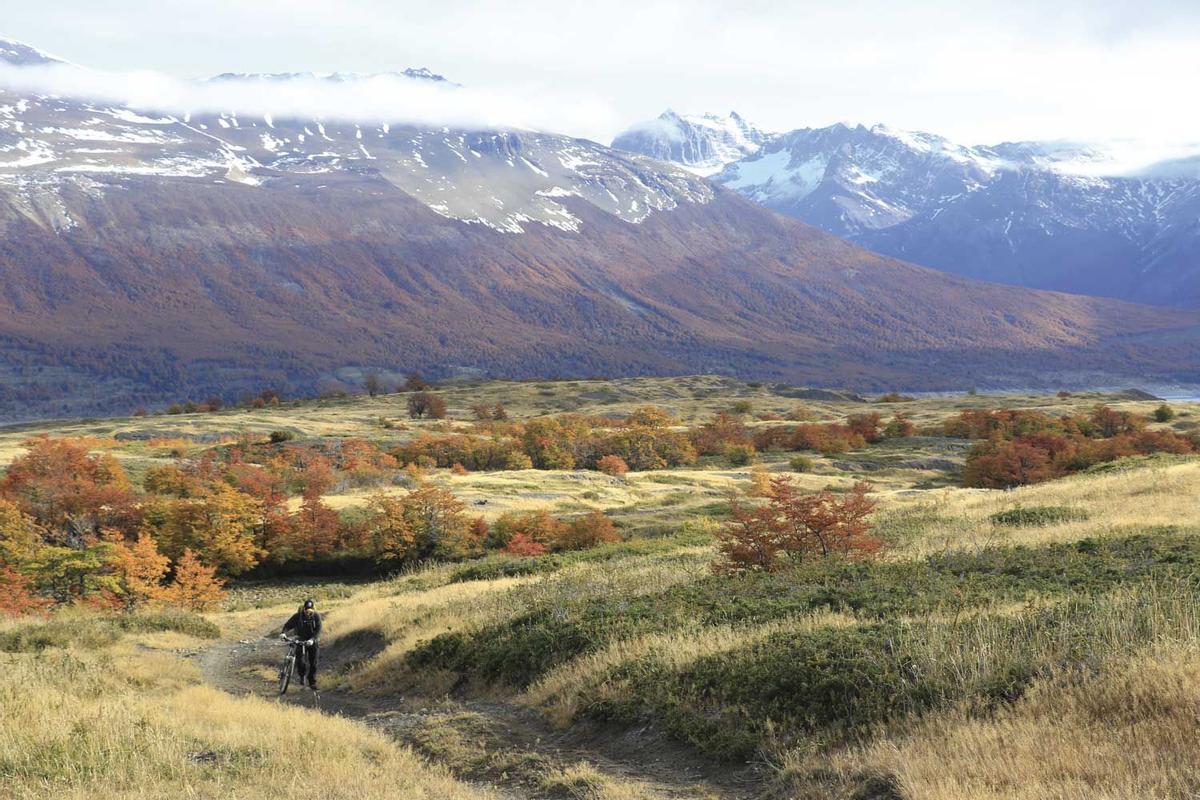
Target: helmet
308,604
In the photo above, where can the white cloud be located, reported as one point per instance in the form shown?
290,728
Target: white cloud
979,71
376,98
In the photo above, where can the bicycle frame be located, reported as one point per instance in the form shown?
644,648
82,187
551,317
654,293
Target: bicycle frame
289,663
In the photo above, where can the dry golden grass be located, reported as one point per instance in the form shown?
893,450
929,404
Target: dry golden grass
1115,502
412,615
1129,734
561,691
583,781
133,721
406,619
1115,725
129,723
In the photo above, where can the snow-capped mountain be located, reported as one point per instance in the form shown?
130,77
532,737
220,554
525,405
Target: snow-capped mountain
148,255
703,143
22,55
501,179
1051,215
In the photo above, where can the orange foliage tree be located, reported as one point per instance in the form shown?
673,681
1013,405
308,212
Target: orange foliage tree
17,597
220,527
612,465
141,569
998,464
313,531
389,535
68,490
723,429
196,586
428,521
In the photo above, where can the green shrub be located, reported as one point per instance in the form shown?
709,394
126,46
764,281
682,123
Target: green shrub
279,437
91,631
1037,516
802,464
739,455
1164,413
556,629
834,683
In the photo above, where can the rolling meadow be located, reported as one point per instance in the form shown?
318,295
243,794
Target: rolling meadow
614,590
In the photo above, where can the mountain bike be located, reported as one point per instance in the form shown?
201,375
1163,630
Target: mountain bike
289,661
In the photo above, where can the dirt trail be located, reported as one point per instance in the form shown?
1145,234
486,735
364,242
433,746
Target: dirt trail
503,746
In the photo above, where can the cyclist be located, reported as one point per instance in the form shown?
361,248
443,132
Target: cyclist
305,624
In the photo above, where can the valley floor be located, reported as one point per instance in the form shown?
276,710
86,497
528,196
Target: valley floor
1039,642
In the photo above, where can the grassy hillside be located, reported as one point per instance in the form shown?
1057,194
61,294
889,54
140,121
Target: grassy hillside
1030,643
129,716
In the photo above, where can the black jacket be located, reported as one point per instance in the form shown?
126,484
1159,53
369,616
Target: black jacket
304,627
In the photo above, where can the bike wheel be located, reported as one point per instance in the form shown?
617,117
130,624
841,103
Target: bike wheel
285,674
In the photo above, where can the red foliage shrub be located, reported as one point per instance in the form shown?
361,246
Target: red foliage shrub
724,429
612,465
1028,446
826,439
522,545
17,598
868,426
1002,465
587,531
795,527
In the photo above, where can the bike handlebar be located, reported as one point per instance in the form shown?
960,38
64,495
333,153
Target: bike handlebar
293,640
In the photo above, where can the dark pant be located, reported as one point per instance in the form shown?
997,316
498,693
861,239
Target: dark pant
306,663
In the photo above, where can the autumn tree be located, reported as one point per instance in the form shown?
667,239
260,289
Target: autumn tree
650,417
373,384
535,526
81,573
426,404
899,427
141,569
68,490
523,546
314,530
723,429
868,426
218,527
550,442
612,465
999,464
437,521
413,382
196,586
793,526
17,597
644,447
20,536
1111,422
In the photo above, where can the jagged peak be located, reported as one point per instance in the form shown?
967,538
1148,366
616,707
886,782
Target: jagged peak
20,54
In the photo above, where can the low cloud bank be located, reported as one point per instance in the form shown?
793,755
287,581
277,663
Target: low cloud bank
390,98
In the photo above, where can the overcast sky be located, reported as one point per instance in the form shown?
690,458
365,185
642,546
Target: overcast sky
979,72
